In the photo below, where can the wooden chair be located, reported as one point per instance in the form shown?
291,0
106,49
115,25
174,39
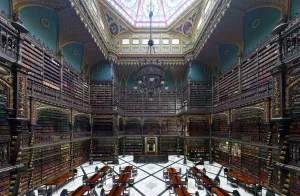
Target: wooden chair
126,192
165,174
185,182
198,183
189,173
235,193
44,192
225,171
114,180
131,181
134,172
168,183
179,172
217,180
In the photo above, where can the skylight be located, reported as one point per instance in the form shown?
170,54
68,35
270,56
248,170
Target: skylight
164,11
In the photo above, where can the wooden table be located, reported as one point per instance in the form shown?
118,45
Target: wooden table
123,178
80,191
93,179
176,180
196,170
128,169
60,178
220,192
116,191
172,171
182,192
241,178
104,169
207,180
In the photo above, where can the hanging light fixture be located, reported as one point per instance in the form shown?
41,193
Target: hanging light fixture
150,77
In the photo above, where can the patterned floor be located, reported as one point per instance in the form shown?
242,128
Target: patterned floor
149,181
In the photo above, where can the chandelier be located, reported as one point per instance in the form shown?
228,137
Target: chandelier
150,77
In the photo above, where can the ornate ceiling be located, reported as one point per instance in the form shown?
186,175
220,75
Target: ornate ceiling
136,12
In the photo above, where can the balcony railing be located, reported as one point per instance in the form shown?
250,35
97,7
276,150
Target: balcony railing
8,40
254,137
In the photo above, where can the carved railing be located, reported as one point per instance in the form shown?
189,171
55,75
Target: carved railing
81,134
291,41
220,134
8,40
46,138
254,137
45,93
260,92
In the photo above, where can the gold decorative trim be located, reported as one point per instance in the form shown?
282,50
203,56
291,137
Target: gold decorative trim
256,23
75,52
45,23
277,96
22,96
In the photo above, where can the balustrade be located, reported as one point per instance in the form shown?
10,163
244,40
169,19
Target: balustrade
8,40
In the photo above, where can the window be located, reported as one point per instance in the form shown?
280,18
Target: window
135,41
175,41
125,41
156,41
207,7
145,41
165,41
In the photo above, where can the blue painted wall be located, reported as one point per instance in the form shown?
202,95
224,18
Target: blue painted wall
115,73
269,18
85,69
228,54
102,72
170,80
73,55
31,17
295,8
198,73
123,83
179,84
5,6
130,81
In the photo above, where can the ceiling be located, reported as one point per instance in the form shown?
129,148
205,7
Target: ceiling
136,12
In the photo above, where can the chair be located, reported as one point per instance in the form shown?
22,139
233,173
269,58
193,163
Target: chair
102,192
204,171
198,183
197,193
189,173
114,180
185,182
225,171
102,181
64,192
258,190
217,180
126,192
96,169
134,172
165,174
131,181
235,193
30,193
44,192
168,183
120,170
170,193
179,172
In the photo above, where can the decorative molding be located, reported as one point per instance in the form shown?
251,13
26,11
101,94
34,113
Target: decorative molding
277,96
45,23
256,23
22,96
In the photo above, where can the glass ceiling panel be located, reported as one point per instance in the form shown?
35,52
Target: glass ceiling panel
164,11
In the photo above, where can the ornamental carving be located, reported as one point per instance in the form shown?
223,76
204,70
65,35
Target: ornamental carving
22,96
277,96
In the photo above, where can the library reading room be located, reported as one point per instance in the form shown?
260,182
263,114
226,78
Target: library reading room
149,97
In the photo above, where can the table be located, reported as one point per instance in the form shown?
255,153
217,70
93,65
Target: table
196,170
116,191
104,169
207,180
150,157
220,192
172,171
123,178
182,192
93,179
128,169
176,180
241,178
80,191
60,178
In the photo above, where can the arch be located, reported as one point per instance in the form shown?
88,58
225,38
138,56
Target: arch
258,23
73,53
228,54
102,72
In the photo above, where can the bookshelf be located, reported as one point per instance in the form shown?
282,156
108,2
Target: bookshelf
169,127
199,126
133,126
295,183
102,149
198,148
23,186
81,123
4,183
131,144
200,96
80,152
167,102
236,157
103,126
229,84
221,152
134,102
100,94
220,126
169,145
151,126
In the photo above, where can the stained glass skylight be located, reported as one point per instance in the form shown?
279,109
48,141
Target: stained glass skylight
164,11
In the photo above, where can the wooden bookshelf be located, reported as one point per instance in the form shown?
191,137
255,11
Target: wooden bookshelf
103,127
295,183
220,126
199,126
131,145
133,127
236,154
4,183
169,145
169,127
167,101
221,152
80,152
200,96
151,126
198,148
